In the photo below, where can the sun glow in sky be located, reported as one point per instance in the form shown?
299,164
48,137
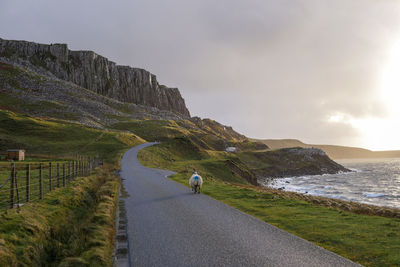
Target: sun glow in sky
381,132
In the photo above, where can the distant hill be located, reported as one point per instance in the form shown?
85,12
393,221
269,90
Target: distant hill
335,152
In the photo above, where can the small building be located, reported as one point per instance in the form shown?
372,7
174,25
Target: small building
231,149
15,154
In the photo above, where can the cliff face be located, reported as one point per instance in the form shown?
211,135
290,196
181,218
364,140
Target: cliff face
98,74
288,162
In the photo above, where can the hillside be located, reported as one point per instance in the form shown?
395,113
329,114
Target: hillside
25,91
94,72
334,152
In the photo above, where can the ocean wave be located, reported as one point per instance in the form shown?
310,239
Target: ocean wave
373,183
373,195
339,197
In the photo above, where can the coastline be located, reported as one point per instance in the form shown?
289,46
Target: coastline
370,182
343,205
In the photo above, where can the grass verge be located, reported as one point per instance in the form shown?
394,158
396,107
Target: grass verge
368,240
71,226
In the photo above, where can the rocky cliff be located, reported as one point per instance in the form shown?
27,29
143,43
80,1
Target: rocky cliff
288,162
96,73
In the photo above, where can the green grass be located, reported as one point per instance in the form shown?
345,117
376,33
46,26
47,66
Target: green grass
43,136
368,240
181,155
34,185
71,226
152,130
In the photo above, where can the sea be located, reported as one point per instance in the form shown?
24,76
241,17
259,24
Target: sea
371,181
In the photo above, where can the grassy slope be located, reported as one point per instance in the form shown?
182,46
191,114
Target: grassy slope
369,240
283,162
44,136
72,226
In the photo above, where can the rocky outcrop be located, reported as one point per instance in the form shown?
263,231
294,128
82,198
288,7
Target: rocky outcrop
96,73
289,162
27,92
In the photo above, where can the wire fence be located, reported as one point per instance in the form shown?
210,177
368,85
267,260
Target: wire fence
22,183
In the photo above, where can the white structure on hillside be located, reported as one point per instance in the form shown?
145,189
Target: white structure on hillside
230,149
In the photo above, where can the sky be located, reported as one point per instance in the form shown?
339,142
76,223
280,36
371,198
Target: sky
322,71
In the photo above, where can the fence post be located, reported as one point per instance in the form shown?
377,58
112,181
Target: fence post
28,178
16,189
40,181
69,172
64,174
73,170
12,185
76,169
58,174
50,176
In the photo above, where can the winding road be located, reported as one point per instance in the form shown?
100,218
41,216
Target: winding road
168,225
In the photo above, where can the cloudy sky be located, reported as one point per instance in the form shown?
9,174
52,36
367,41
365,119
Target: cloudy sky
325,72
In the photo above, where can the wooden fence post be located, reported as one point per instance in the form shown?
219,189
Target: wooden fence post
16,189
50,176
28,182
40,182
64,174
12,185
76,169
58,174
69,172
73,170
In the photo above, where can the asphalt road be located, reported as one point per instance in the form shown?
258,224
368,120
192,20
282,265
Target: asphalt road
168,225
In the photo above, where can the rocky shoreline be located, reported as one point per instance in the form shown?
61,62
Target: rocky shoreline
338,204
